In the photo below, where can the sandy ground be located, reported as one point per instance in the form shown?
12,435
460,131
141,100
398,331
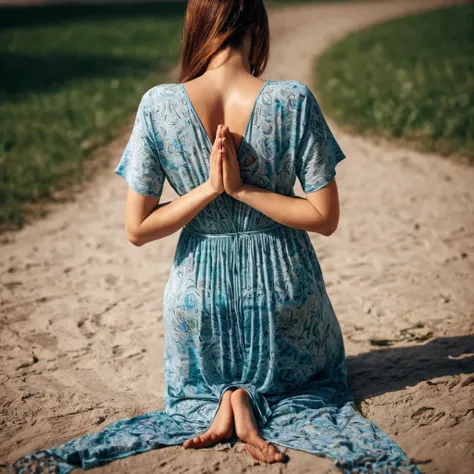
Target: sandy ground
81,308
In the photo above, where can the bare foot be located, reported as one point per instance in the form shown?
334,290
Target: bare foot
246,429
221,428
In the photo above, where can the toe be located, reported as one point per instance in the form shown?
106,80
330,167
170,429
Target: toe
209,438
263,452
277,456
188,443
254,452
270,454
192,442
204,440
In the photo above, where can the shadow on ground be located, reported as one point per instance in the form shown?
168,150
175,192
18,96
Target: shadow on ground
388,370
39,15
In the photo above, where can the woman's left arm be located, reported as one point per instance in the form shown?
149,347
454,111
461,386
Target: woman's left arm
318,212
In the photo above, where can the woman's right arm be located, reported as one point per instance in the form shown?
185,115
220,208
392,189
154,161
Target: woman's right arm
146,220
167,218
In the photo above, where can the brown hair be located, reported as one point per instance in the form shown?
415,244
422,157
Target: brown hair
213,24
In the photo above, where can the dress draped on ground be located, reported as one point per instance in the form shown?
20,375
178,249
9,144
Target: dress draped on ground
245,304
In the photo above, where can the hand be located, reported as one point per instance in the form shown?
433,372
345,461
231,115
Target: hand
215,180
230,165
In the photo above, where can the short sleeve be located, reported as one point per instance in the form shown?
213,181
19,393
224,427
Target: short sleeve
140,164
318,152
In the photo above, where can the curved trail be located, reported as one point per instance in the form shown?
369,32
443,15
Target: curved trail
81,323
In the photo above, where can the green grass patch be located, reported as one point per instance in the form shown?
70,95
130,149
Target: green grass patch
410,79
71,77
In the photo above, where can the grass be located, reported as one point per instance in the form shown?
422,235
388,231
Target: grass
71,77
410,79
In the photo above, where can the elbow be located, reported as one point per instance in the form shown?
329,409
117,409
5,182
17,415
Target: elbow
134,237
327,231
331,227
135,240
328,228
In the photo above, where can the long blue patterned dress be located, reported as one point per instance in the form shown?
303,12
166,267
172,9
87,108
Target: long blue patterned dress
245,304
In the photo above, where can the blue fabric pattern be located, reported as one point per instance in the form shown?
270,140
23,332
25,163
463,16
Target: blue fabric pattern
245,304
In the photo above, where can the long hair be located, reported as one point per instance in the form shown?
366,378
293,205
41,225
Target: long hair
213,24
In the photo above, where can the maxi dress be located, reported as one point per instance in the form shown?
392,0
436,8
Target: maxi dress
245,304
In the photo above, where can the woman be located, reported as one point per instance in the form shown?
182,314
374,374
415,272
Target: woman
253,349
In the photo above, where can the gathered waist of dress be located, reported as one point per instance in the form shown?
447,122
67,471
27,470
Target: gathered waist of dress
234,234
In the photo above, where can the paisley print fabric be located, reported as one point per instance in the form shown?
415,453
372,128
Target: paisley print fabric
245,304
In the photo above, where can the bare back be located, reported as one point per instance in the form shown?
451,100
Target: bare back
231,105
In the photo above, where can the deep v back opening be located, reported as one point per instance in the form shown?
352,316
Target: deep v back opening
203,129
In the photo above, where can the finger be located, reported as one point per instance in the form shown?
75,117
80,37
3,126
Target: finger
216,144
215,149
227,139
225,145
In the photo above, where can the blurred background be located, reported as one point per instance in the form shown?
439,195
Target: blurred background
72,72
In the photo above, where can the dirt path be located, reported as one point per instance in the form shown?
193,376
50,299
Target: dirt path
80,307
